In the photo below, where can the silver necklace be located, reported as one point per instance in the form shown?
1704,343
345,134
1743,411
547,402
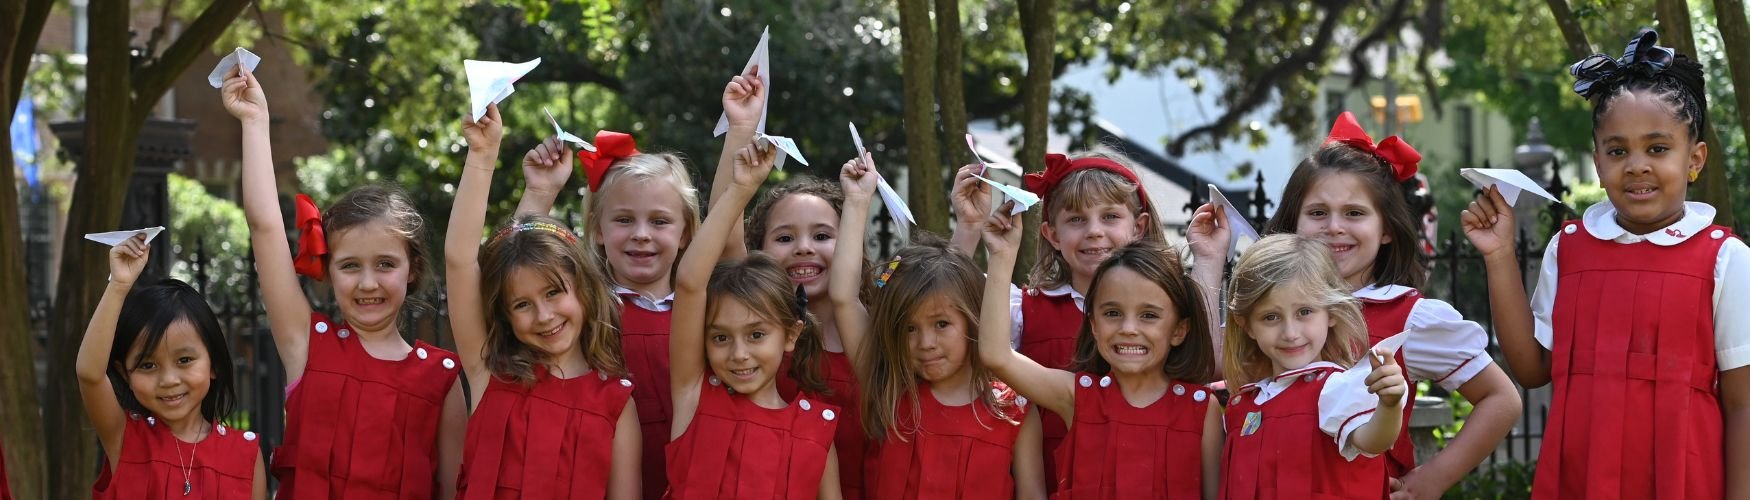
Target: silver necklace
187,485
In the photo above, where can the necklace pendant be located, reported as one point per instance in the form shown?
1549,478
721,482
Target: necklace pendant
186,487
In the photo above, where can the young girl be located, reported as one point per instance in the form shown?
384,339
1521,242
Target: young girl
1301,418
642,212
1141,425
734,436
162,437
366,412
533,319
1093,205
1349,194
1639,317
942,425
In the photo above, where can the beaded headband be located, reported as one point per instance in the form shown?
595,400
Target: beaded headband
536,226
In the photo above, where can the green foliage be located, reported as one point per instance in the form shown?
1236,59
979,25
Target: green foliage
1506,481
214,226
1583,196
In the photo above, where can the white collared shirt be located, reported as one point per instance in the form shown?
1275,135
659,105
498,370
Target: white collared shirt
1443,347
1015,296
645,303
1731,277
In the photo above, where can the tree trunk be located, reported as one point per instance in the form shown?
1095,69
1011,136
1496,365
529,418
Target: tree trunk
1712,188
21,432
925,180
1735,32
1572,32
951,86
1039,32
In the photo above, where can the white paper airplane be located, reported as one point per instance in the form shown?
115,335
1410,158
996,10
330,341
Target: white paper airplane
567,136
1237,224
761,57
114,238
896,207
249,60
1512,183
983,164
1023,199
783,143
489,82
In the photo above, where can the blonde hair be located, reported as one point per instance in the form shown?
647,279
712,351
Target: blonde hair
1085,188
564,265
663,167
1304,263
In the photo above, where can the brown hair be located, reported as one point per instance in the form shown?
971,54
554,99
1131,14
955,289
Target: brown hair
1398,262
1298,261
762,212
760,284
661,167
1081,189
1193,360
564,265
926,269
376,202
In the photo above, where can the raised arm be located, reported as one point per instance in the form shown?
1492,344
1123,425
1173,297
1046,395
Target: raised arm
846,276
744,103
107,416
1052,389
288,312
1489,224
546,169
1209,239
686,340
462,248
971,199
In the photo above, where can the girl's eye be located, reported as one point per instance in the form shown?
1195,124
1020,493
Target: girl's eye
385,265
1659,149
1110,313
1110,217
349,266
941,325
623,220
146,366
185,360
660,222
1150,315
756,335
1271,317
720,338
518,306
552,292
1616,152
1315,213
1354,213
782,239
1075,219
822,237
1305,311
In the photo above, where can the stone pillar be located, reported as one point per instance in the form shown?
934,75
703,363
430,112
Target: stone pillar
157,149
1430,414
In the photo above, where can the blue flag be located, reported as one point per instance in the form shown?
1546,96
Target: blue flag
24,139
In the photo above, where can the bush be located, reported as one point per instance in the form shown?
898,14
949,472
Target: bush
1504,481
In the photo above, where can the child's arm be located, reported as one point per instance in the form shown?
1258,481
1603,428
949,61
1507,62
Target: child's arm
1213,437
846,278
1496,409
546,169
1209,238
971,199
288,312
624,480
260,483
829,479
744,103
1489,225
452,434
1029,460
686,341
1735,404
462,248
1051,389
107,416
1387,382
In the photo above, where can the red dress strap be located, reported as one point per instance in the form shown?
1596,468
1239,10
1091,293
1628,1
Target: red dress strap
1635,410
644,339
1116,450
554,439
1049,327
844,393
1276,450
220,467
948,452
362,427
737,450
1386,318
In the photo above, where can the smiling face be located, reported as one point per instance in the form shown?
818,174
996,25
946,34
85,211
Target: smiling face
1085,236
1644,156
1338,211
1289,326
173,379
1134,324
746,349
544,315
369,268
641,227
936,335
800,233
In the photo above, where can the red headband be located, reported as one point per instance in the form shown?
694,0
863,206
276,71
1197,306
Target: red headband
1393,150
312,244
1058,167
609,147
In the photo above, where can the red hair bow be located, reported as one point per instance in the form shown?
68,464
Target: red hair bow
1058,167
312,244
609,147
1397,153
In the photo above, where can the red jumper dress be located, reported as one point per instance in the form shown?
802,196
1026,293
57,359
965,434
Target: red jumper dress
950,452
1386,318
221,467
644,338
736,450
852,443
1282,453
554,439
1049,326
1116,450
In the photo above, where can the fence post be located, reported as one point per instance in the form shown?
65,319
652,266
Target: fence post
1260,203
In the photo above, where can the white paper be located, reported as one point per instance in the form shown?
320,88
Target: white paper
114,238
489,82
567,136
857,139
896,207
1023,199
762,57
1237,224
249,59
783,143
1512,183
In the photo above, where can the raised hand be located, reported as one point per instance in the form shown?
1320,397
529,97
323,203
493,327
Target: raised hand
128,259
753,164
547,167
1489,224
242,95
744,97
1209,233
486,133
1386,380
1002,232
971,197
858,177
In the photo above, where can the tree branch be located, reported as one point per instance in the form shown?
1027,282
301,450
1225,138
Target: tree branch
31,18
1393,21
159,31
1572,33
1259,91
1433,30
157,76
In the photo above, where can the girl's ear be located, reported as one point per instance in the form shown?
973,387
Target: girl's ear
1179,332
791,335
1697,160
1050,235
1142,222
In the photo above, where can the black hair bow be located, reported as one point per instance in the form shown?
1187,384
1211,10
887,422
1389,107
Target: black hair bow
1643,58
